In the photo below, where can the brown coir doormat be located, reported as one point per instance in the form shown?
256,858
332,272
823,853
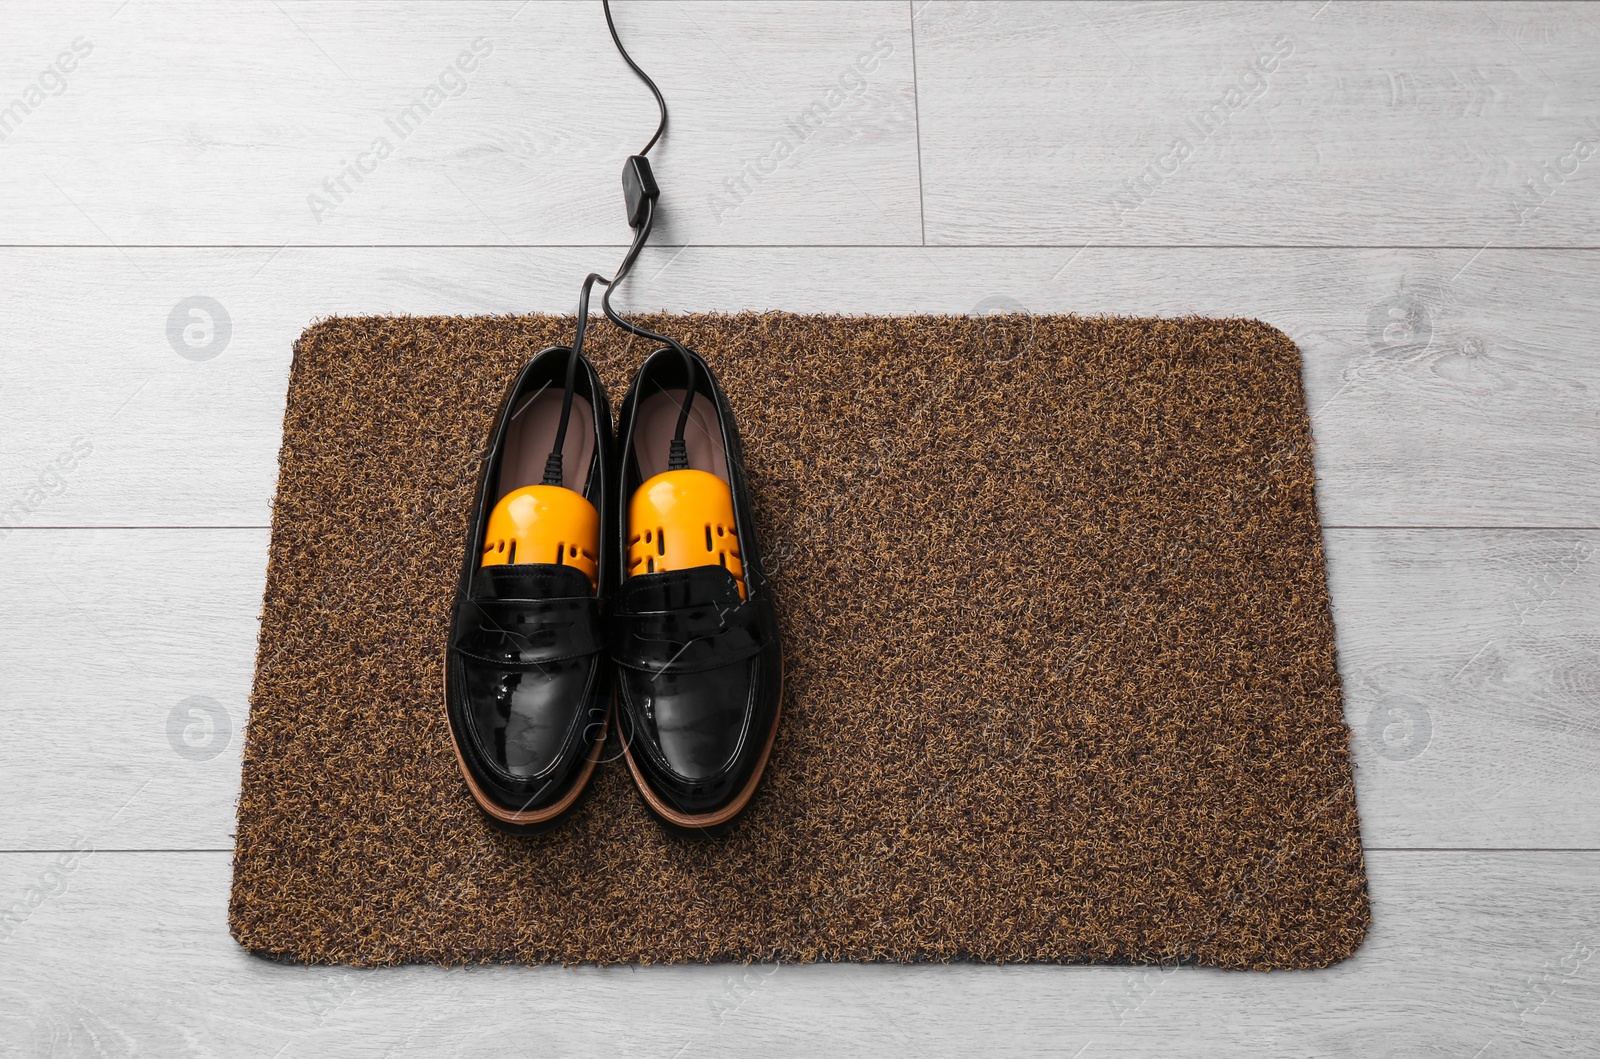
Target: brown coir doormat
1060,666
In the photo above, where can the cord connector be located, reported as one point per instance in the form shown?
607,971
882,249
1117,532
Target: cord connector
639,188
678,456
552,469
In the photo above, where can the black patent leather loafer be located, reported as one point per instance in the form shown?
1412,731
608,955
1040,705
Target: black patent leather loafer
527,687
693,631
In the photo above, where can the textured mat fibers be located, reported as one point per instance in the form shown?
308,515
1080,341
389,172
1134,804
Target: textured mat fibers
1061,682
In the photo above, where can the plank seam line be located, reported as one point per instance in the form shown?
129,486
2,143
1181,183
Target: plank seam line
1325,526
916,113
1366,849
787,246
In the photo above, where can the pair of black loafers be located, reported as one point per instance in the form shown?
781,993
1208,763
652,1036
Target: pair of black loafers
599,597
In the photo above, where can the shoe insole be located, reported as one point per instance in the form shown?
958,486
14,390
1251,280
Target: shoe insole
656,422
532,431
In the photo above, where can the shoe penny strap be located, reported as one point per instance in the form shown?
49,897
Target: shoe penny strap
525,633
687,639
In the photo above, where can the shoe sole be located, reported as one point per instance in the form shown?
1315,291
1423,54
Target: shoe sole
531,821
725,815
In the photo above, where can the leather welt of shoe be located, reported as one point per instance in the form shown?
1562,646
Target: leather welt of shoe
544,524
682,519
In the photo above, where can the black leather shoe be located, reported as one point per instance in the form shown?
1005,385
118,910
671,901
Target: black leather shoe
692,630
527,687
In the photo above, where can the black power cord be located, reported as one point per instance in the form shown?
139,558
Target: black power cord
639,192
661,104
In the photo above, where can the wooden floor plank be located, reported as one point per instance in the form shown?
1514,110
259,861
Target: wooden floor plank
1447,387
1470,955
1452,124
1470,663
1469,660
128,657
480,122
1305,123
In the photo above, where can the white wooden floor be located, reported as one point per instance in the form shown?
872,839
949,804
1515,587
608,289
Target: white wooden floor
1411,192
